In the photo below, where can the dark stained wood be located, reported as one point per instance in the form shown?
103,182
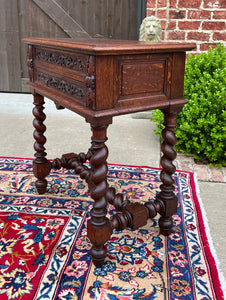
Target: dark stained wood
167,195
41,166
155,72
111,47
100,79
105,76
178,64
98,227
65,69
59,19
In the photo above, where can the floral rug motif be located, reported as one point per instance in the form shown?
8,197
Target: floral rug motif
44,250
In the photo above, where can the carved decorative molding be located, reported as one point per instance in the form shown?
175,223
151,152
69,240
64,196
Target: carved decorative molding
59,84
30,62
90,81
67,61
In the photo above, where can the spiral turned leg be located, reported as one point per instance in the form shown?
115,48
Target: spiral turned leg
41,166
98,228
166,197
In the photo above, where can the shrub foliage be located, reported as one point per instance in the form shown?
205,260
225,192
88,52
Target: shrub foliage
201,126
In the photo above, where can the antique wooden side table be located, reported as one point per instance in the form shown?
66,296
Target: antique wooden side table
100,79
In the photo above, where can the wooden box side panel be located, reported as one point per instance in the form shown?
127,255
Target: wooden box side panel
106,82
144,79
178,69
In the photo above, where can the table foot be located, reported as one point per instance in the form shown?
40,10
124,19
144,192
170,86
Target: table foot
165,225
98,234
41,170
41,186
98,255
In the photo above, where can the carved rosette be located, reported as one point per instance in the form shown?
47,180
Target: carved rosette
30,62
90,82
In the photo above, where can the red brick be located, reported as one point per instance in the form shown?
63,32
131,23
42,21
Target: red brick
161,14
150,12
151,3
161,3
189,3
163,24
217,36
214,4
199,14
189,25
163,35
198,36
185,158
206,46
172,25
194,52
213,26
201,172
219,14
186,166
216,174
177,14
176,35
173,3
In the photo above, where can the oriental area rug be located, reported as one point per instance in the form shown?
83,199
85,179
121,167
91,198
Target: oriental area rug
44,249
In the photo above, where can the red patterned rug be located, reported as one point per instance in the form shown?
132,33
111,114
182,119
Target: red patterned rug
44,250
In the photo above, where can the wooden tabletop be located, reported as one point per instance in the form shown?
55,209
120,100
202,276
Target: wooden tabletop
110,46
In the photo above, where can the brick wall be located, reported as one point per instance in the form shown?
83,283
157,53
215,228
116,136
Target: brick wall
199,21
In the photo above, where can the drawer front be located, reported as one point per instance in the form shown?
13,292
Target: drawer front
69,75
144,79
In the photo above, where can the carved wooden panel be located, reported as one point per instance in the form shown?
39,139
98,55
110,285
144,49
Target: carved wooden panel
154,71
66,60
71,74
61,85
117,19
148,80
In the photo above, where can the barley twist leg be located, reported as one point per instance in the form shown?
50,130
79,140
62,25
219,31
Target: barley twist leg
167,196
41,166
98,227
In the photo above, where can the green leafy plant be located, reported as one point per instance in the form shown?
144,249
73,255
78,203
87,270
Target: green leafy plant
201,126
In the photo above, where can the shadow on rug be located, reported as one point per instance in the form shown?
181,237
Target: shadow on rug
44,250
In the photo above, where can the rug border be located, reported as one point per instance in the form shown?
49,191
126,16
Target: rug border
208,246
110,164
211,256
